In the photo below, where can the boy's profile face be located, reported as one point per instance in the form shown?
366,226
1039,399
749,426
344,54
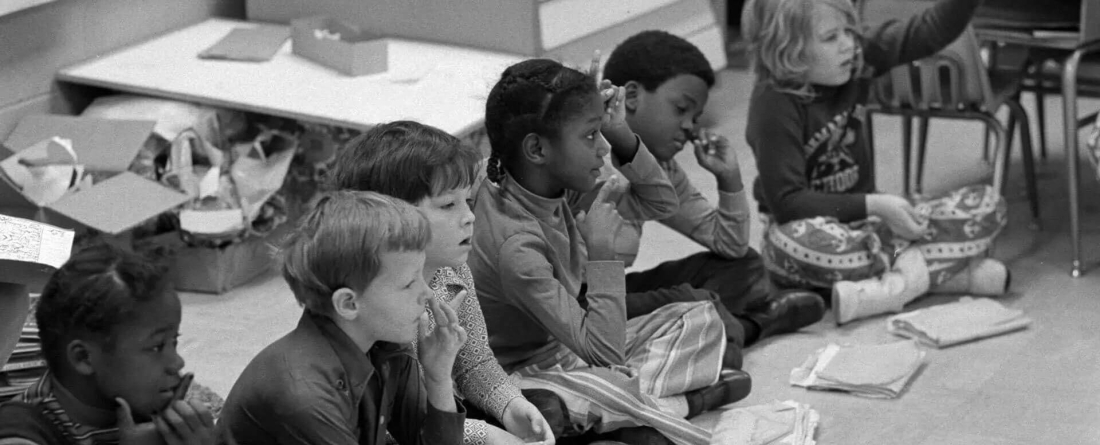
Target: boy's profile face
143,366
665,117
391,305
576,158
452,224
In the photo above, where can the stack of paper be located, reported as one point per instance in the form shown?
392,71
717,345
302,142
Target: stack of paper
786,423
26,364
878,371
962,321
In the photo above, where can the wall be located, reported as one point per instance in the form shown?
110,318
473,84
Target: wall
36,42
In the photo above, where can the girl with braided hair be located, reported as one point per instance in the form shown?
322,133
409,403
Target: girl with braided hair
550,285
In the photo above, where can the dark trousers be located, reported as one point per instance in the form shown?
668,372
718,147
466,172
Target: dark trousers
737,285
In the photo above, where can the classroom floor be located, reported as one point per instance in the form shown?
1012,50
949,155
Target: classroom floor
1030,387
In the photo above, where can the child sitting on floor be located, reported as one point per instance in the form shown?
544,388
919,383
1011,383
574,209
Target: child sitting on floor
548,279
356,263
109,322
435,171
667,82
829,228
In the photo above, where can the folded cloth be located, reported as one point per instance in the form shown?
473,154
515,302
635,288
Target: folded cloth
877,371
786,423
953,323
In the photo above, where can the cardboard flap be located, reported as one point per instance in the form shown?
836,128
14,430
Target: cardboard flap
100,144
119,203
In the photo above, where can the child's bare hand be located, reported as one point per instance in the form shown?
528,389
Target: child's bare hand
131,433
715,154
437,349
900,216
186,423
599,225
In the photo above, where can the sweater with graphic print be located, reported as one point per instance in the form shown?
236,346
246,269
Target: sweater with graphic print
811,153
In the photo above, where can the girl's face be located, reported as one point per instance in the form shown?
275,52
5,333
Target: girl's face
832,48
576,156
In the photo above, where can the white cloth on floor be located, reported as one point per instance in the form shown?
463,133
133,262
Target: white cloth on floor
877,371
959,322
780,423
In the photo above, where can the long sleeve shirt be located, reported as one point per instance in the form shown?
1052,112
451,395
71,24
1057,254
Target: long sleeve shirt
724,229
540,294
314,386
477,374
811,153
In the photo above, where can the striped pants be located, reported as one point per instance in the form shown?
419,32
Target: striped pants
675,349
818,252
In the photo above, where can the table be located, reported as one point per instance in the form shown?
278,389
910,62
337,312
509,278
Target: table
439,85
1076,50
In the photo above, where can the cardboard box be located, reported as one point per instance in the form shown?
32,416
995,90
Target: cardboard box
105,147
339,46
216,271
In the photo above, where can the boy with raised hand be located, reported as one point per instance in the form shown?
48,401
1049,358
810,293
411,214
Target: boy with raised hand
344,375
667,81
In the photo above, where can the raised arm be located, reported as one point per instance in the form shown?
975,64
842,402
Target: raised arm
723,230
899,41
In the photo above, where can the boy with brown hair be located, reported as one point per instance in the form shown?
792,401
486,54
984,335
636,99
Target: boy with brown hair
344,375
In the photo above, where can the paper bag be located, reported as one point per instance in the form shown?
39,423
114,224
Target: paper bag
260,168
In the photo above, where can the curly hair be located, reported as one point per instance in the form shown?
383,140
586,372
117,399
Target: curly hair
97,289
779,33
653,57
406,160
534,96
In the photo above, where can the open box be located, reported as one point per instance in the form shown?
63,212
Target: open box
339,46
105,147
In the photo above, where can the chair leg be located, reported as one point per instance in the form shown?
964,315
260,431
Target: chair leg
1029,162
1000,160
906,152
922,149
1041,118
1010,127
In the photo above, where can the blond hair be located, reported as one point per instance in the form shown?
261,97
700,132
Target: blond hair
779,33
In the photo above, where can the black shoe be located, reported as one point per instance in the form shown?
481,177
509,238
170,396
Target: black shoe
788,311
734,386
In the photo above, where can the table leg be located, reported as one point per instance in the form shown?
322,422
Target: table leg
1069,113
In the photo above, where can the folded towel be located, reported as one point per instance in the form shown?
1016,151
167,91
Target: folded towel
953,323
877,371
787,423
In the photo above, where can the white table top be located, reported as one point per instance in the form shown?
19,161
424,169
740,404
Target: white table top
439,85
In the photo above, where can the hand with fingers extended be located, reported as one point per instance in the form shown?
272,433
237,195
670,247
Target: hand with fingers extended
901,217
715,154
600,224
523,419
180,423
437,349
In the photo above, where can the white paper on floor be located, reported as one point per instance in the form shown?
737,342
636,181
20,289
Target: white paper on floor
877,371
959,322
780,423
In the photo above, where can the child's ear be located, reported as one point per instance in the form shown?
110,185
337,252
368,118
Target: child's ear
534,148
633,89
79,355
345,303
